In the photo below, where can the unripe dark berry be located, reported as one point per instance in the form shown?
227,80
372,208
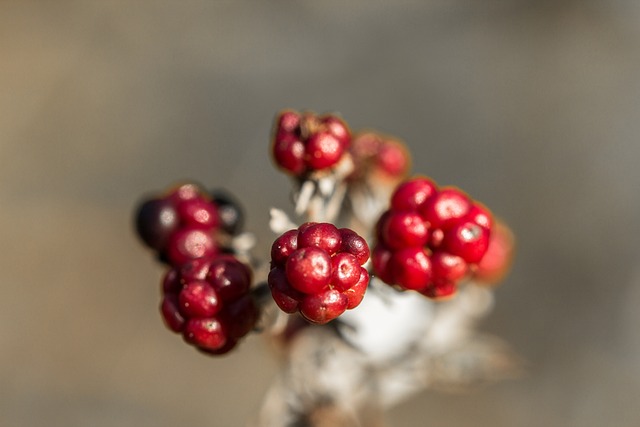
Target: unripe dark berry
156,220
230,213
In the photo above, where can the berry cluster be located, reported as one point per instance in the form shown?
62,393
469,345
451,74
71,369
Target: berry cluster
206,292
376,154
209,303
317,270
306,142
430,238
182,225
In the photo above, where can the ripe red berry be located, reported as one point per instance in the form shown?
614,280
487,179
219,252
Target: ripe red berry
198,299
411,268
446,208
285,296
380,261
198,213
309,270
355,294
205,333
440,289
495,264
230,278
354,244
171,315
413,194
323,150
467,240
323,307
289,154
320,235
283,246
393,158
346,271
448,266
404,230
480,215
188,244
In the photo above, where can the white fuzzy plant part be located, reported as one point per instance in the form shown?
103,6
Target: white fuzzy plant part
392,346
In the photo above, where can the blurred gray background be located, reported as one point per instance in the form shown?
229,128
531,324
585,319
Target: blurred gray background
531,106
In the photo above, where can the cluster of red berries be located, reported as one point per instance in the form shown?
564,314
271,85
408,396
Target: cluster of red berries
430,238
206,292
208,302
376,154
305,142
317,270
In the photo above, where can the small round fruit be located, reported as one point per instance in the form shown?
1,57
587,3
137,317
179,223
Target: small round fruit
188,244
323,307
467,240
205,333
411,268
156,220
309,270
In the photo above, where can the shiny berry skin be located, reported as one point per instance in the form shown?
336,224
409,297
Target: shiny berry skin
188,244
169,308
198,299
346,271
404,230
324,306
393,159
467,240
205,333
283,246
446,208
198,213
321,235
411,268
156,220
209,302
309,269
480,215
284,295
413,194
354,244
305,142
317,270
380,260
448,266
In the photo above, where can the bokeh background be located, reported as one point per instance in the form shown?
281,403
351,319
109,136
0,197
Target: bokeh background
531,106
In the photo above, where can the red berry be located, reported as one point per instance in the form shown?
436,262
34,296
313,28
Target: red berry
404,230
411,268
480,215
171,283
321,235
240,317
440,289
354,244
413,194
289,153
346,271
435,238
184,192
230,278
446,208
338,128
495,263
286,297
171,314
380,260
283,246
448,266
467,240
393,158
189,243
198,213
288,122
196,269
198,299
323,150
226,348
323,307
309,269
355,294
205,333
